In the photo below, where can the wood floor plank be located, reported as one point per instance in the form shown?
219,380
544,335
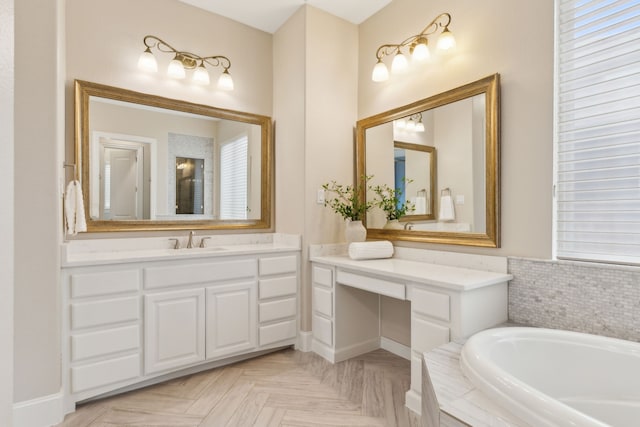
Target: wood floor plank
148,419
325,418
270,417
215,391
249,410
226,408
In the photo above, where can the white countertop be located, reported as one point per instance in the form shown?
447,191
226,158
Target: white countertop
80,253
454,278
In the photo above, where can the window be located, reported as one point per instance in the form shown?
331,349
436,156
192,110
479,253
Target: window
598,130
233,178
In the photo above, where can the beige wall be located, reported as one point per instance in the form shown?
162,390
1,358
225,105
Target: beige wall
38,131
315,104
6,209
515,39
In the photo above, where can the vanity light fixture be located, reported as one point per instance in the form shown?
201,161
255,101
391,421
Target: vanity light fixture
417,47
412,123
185,60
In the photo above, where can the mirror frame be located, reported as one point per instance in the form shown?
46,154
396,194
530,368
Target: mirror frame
84,90
433,173
490,86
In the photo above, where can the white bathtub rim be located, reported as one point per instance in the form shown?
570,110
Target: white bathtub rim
519,398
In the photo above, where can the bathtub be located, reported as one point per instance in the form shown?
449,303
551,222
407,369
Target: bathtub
549,377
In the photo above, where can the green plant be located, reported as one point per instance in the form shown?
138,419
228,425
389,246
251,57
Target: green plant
347,200
389,200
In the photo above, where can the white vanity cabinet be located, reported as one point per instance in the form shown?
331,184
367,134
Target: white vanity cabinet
129,323
447,303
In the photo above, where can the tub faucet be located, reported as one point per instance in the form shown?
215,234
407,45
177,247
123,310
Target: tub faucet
190,242
408,226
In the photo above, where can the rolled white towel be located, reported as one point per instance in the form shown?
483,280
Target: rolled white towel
371,250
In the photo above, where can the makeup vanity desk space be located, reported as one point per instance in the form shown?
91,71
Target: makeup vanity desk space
448,302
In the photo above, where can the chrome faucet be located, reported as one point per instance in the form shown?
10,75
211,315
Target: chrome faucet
190,242
408,226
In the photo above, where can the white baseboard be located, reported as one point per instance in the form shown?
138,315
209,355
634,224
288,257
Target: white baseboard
323,350
396,348
304,340
41,412
354,350
413,401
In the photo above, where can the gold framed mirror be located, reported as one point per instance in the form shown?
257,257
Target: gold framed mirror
463,126
132,149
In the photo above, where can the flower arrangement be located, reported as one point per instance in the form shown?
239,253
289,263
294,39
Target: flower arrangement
389,201
347,201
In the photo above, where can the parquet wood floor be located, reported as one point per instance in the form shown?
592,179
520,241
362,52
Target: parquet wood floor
286,388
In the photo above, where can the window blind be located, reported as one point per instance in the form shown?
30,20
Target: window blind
598,130
233,179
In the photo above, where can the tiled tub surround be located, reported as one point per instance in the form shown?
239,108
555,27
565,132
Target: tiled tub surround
136,312
592,298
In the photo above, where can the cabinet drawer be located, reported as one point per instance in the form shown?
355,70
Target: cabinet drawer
425,336
430,303
100,343
278,287
277,332
323,301
378,286
96,313
176,275
105,372
323,276
279,309
104,283
278,265
322,329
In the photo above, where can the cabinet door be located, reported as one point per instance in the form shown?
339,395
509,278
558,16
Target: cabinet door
231,319
174,329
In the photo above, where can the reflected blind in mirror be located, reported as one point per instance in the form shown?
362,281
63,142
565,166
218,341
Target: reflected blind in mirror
598,131
233,179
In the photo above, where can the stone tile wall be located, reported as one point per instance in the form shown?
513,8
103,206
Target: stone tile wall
592,298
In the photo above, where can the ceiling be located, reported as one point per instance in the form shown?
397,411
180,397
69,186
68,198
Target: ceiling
269,15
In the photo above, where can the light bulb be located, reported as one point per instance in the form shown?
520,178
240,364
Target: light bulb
399,64
225,81
446,41
200,75
176,69
419,127
380,72
147,62
421,51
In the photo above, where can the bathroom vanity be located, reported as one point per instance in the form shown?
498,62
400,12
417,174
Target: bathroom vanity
136,311
452,296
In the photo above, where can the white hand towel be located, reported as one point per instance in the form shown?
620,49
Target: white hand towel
74,209
370,250
447,211
421,205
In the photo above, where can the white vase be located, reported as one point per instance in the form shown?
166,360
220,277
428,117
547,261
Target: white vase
355,231
393,224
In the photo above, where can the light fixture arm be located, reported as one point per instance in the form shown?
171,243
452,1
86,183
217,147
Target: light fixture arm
189,60
441,21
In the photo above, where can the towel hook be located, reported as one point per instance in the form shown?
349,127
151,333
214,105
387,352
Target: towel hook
75,169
